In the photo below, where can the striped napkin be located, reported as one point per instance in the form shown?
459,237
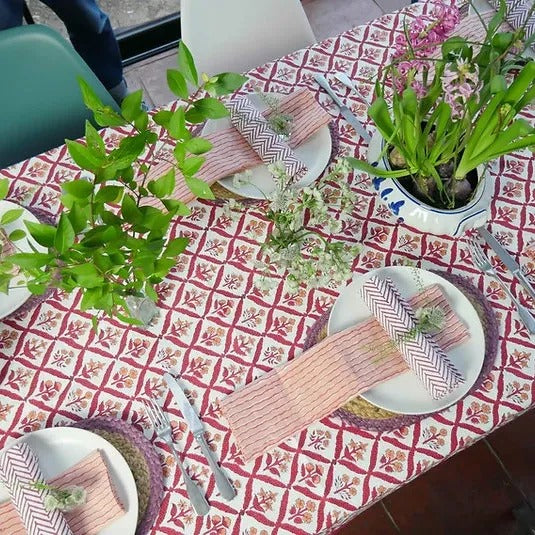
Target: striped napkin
518,15
253,126
265,412
19,468
25,512
231,153
420,351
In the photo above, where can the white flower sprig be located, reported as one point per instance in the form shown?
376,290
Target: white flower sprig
64,499
294,242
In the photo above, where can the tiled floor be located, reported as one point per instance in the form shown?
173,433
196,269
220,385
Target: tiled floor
327,18
473,493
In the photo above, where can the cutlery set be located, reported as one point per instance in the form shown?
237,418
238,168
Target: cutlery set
162,426
483,263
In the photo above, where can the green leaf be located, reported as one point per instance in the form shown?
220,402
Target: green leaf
10,215
162,117
186,65
228,82
175,247
17,234
29,260
83,155
107,116
211,108
177,125
129,210
94,141
64,235
131,105
142,120
191,165
43,234
163,186
498,83
199,188
4,187
177,83
80,189
89,96
198,145
109,194
78,216
361,165
194,116
176,207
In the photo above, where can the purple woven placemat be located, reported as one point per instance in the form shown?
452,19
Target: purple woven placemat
490,328
143,446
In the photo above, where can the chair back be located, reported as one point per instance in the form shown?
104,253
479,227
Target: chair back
237,35
39,94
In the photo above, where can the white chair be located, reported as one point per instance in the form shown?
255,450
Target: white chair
237,35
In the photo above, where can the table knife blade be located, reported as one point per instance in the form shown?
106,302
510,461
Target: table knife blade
188,412
507,259
346,113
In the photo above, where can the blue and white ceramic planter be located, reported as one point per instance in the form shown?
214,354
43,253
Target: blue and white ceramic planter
421,216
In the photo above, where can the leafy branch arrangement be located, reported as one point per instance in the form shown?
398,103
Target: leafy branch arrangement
64,499
108,241
300,216
454,111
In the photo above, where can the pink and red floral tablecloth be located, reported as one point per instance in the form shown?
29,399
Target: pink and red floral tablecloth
218,332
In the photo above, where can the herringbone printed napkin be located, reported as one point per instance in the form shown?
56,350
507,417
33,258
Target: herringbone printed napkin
252,125
101,509
18,469
311,386
423,355
518,15
231,153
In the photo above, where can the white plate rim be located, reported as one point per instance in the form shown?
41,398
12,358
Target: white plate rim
306,180
476,343
115,462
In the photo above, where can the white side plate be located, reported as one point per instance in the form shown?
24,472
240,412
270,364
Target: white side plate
405,394
315,153
59,448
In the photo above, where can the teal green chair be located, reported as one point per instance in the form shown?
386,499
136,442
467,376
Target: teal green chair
40,100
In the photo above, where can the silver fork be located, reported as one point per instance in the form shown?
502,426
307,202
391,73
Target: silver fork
162,426
483,263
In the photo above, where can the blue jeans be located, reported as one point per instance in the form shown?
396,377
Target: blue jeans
89,30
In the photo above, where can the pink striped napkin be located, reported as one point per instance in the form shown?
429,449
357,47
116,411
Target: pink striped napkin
420,351
19,468
101,509
231,153
253,126
292,396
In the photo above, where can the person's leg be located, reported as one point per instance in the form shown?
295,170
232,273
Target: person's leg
10,13
93,38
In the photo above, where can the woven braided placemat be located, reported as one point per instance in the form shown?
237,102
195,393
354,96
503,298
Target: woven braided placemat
142,459
362,413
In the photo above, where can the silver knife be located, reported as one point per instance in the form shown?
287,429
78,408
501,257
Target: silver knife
508,260
344,110
224,486
344,78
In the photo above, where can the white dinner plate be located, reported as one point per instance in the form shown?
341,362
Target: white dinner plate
315,153
404,393
59,448
17,296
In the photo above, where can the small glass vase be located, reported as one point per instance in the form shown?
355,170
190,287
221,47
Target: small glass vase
142,308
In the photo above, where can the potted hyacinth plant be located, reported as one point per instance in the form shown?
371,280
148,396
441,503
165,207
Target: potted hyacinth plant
444,108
